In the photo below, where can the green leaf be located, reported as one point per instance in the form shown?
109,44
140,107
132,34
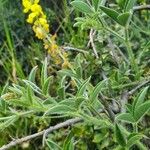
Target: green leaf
59,109
129,108
82,6
8,122
95,121
79,72
50,100
140,98
21,102
111,13
120,136
52,145
61,92
44,72
46,86
121,3
7,118
124,18
63,81
79,101
3,105
82,89
68,102
129,5
127,117
141,110
16,89
96,4
33,86
68,144
32,74
133,138
4,88
78,60
97,89
141,146
71,145
30,94
39,104
98,137
69,73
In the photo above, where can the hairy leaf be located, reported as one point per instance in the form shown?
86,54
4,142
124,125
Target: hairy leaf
127,117
120,136
82,6
141,110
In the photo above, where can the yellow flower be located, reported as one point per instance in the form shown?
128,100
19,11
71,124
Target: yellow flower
66,64
31,18
39,32
36,1
46,46
27,5
36,8
43,21
46,27
44,24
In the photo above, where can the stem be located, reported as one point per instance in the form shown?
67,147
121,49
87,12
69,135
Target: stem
135,127
130,52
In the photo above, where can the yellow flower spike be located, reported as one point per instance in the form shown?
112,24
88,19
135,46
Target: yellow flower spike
40,26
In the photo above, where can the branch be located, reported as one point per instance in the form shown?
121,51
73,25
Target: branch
67,48
142,7
107,107
135,8
138,87
49,130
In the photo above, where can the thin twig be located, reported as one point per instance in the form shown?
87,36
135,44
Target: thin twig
135,8
46,131
142,7
138,87
92,34
67,48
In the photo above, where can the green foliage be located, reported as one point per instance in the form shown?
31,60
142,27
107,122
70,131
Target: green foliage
109,91
137,110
